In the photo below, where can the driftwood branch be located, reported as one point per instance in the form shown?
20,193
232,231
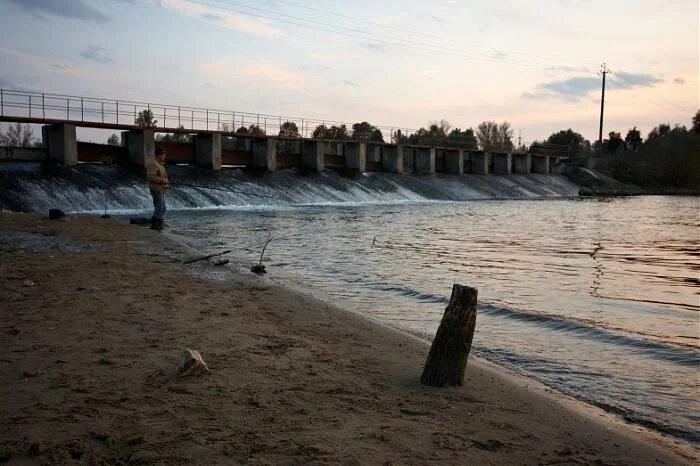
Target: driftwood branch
259,268
450,349
209,256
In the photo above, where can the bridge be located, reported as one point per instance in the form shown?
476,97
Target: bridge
213,143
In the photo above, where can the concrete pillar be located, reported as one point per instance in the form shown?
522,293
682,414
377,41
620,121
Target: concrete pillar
312,155
393,159
141,146
425,161
61,143
377,154
521,163
355,155
540,164
479,162
208,150
265,153
467,161
454,161
501,163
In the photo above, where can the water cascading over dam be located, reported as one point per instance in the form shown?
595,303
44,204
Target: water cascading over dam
33,187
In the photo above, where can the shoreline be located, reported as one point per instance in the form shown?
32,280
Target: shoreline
306,380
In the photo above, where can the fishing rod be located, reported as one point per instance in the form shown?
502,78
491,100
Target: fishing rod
228,190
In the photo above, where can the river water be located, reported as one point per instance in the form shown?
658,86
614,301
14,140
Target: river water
597,298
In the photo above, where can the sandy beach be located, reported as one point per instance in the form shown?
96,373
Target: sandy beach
95,311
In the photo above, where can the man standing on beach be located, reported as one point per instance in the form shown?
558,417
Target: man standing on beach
158,184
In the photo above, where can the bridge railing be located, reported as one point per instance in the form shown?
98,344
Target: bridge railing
49,106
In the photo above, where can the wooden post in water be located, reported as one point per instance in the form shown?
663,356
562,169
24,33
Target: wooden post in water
450,349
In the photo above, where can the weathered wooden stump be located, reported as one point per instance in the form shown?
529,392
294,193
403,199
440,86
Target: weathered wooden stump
450,349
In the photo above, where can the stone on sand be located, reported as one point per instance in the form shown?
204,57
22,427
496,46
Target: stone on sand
191,364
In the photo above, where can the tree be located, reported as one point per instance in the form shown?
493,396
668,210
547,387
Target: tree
376,136
398,137
145,119
487,134
494,136
633,139
255,130
289,130
180,136
439,129
339,133
696,122
114,140
436,134
459,138
614,143
659,131
362,131
17,135
577,146
242,130
669,158
319,132
505,135
566,138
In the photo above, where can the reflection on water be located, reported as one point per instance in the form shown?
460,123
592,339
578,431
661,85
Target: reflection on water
599,299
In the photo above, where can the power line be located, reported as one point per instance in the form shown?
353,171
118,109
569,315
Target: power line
411,31
368,35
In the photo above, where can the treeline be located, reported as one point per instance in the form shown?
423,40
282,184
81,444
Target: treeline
669,157
489,135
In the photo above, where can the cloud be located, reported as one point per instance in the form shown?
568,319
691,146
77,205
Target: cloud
243,71
500,55
96,53
76,9
679,80
350,83
6,84
622,80
238,23
52,64
573,89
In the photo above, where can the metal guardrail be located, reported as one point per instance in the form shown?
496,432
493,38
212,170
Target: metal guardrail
49,106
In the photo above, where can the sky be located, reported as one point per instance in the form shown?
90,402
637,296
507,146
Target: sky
532,63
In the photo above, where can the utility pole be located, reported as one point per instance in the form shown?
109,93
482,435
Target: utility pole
604,71
520,139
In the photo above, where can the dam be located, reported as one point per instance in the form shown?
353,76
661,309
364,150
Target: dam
212,143
211,166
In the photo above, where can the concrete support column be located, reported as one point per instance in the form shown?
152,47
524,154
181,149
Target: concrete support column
540,164
393,159
141,145
265,153
312,155
377,154
502,163
425,161
521,163
61,143
454,161
208,150
479,162
355,155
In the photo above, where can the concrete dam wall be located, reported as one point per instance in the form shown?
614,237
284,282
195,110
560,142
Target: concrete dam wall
37,187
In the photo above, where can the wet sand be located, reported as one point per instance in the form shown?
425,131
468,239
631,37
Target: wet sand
95,311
